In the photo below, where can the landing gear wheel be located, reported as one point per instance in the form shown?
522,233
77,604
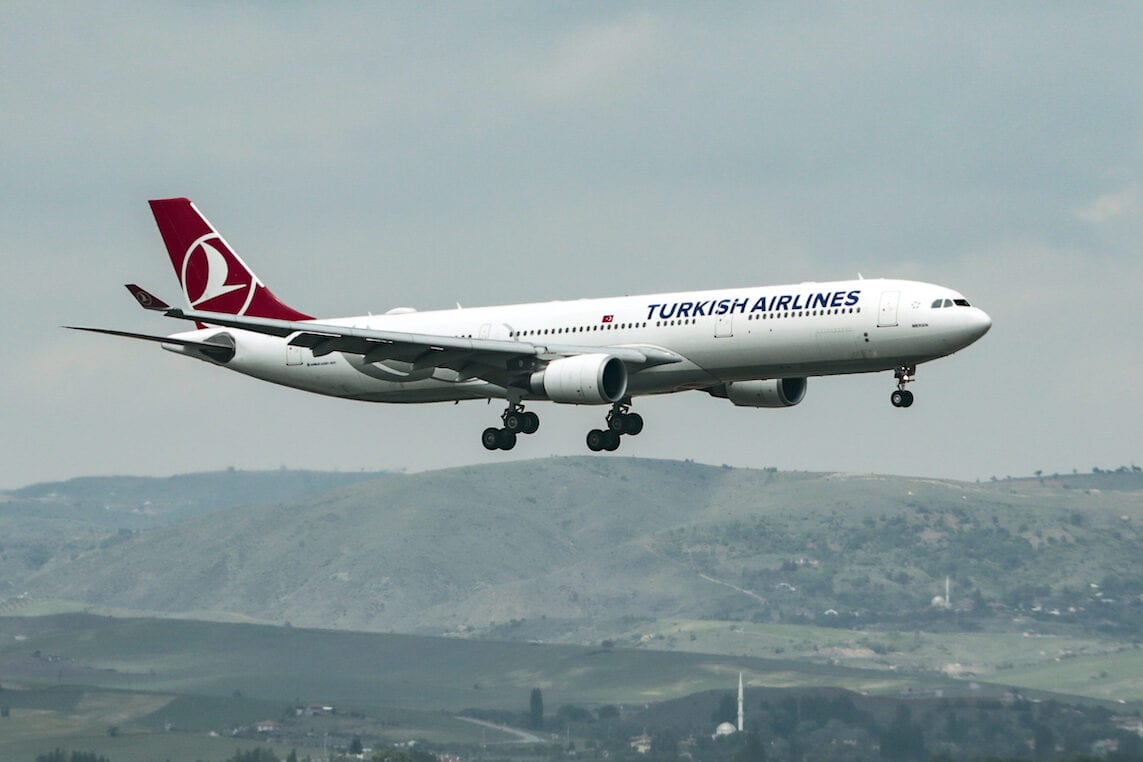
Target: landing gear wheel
632,424
490,439
514,421
611,441
901,398
531,423
617,423
595,440
506,438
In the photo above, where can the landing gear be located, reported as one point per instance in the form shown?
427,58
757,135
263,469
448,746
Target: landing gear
620,421
904,374
516,421
901,398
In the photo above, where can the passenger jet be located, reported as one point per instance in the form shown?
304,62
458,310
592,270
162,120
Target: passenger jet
753,346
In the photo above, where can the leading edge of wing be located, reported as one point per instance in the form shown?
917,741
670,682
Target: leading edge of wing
324,338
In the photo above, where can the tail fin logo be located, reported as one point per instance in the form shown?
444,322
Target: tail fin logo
214,279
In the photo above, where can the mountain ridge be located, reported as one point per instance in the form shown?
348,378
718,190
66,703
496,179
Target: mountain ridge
594,543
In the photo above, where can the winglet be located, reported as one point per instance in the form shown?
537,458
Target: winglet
147,300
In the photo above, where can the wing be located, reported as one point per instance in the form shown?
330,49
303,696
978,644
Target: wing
498,361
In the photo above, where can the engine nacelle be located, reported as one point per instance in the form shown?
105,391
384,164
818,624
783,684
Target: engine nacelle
582,380
772,392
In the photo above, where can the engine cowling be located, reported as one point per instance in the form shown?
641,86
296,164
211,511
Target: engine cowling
771,392
582,380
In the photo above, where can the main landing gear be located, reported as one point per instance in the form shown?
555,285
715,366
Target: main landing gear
904,374
516,421
620,421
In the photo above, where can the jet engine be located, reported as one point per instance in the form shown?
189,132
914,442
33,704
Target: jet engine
772,392
582,380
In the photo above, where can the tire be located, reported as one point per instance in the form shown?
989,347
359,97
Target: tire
490,439
617,423
514,421
908,399
531,423
611,441
595,440
507,439
632,424
897,398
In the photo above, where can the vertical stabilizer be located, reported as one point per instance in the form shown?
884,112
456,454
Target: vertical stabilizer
213,277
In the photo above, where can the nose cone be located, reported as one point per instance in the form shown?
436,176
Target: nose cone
978,324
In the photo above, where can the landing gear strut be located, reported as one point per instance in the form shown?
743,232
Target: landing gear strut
904,374
620,421
516,421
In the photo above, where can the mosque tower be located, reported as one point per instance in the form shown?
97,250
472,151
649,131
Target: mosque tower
739,702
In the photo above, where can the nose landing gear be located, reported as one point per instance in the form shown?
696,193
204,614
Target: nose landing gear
620,421
904,374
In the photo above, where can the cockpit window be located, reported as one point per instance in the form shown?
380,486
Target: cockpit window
937,304
961,302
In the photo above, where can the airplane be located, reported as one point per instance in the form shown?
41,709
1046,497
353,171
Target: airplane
753,346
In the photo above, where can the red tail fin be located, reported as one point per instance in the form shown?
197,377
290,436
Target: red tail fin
213,277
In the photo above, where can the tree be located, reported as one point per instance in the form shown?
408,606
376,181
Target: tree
903,739
727,709
608,712
572,713
259,754
536,713
355,746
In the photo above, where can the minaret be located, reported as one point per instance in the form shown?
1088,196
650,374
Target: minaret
739,702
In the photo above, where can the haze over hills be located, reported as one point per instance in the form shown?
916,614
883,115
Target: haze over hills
583,549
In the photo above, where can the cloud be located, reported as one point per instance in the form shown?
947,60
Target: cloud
366,157
1113,206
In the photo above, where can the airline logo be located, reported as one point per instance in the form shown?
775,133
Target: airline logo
742,305
213,279
608,318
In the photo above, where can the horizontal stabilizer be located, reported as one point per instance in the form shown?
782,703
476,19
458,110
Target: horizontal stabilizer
146,299
215,351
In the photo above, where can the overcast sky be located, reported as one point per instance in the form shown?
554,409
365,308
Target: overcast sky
365,156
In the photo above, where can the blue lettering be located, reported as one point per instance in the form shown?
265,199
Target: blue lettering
723,307
700,308
797,305
835,301
852,297
819,300
739,305
651,311
685,309
760,305
783,303
663,313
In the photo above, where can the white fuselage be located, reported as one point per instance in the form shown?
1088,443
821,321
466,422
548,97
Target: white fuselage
736,334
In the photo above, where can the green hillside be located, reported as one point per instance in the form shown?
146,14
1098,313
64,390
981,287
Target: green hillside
661,555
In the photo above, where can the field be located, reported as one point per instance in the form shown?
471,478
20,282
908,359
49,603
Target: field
177,689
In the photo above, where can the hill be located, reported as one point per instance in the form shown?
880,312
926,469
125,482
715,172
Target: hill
659,554
60,520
